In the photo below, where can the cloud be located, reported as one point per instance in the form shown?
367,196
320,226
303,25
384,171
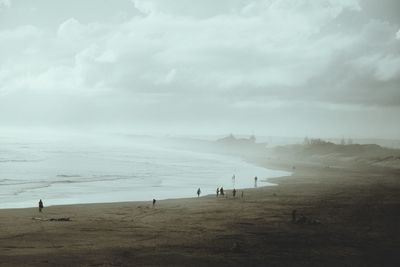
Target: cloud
264,48
196,9
170,76
388,68
5,3
228,55
70,28
145,7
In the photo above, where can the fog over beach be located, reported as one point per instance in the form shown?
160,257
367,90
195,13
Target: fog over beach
82,168
199,133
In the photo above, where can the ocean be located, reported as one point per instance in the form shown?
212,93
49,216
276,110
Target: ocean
72,169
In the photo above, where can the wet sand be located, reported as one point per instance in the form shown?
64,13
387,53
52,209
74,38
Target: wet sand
358,210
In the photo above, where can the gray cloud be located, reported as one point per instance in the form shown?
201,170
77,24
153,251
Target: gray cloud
5,4
200,63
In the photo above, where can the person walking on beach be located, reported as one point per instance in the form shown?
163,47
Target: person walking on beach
255,181
198,192
222,191
217,191
154,202
40,205
234,192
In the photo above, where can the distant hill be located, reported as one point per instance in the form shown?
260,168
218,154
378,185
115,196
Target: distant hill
316,151
233,141
330,153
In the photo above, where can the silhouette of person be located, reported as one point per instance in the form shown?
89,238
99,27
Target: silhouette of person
234,192
255,181
154,202
217,192
40,205
222,191
198,192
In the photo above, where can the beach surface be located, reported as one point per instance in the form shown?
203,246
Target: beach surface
351,217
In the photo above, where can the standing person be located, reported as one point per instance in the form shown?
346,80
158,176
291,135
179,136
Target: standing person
198,192
40,205
154,202
217,191
222,191
234,192
255,181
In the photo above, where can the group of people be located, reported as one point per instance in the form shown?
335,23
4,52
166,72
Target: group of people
220,190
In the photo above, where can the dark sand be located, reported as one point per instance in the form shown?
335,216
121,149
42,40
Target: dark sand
358,210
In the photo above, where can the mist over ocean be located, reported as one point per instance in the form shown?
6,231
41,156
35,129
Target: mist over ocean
88,169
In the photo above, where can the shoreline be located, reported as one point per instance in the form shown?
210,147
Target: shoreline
355,207
264,180
261,181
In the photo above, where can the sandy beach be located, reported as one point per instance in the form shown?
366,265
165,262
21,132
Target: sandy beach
352,220
116,113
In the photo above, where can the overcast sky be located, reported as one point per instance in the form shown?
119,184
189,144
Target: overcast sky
322,68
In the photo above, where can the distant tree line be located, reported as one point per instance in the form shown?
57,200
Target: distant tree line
349,141
318,141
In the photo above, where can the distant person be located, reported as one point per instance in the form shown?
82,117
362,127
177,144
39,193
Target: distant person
221,191
255,181
198,192
234,192
154,202
217,191
40,205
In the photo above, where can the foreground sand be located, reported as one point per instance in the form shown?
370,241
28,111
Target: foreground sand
359,211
